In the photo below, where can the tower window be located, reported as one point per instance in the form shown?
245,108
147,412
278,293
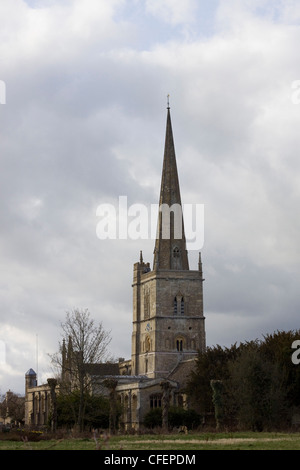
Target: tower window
179,345
178,305
175,306
176,252
176,262
146,305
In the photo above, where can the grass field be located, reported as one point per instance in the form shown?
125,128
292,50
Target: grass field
200,441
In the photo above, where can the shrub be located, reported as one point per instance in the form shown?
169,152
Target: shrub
153,418
180,417
177,417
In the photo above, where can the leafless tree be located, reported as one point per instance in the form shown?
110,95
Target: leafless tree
84,343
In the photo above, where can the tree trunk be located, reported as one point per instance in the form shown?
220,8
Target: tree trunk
166,387
111,384
52,384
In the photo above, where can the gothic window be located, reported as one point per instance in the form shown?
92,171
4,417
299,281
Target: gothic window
176,252
175,306
176,261
180,343
178,305
146,305
155,400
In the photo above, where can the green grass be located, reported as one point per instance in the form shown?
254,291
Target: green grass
199,441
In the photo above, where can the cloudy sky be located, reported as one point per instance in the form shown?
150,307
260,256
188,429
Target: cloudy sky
82,122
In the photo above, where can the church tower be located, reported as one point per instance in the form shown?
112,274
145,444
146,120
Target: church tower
168,321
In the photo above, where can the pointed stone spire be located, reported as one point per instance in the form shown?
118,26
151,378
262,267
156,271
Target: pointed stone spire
170,247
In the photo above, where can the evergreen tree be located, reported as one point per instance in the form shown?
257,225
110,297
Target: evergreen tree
260,382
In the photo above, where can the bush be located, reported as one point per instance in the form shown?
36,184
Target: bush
23,434
97,409
261,384
180,417
177,417
153,418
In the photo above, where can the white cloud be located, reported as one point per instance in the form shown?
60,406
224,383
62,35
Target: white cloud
59,32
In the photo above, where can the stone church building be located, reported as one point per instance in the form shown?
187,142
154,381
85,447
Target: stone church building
168,327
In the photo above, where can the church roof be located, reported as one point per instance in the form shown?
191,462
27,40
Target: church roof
104,369
170,247
30,372
182,372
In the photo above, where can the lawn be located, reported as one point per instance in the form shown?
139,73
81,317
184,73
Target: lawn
177,442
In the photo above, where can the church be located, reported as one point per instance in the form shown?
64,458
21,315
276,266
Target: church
168,324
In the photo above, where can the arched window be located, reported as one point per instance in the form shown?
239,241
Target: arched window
146,304
180,343
178,305
182,306
175,306
176,259
176,252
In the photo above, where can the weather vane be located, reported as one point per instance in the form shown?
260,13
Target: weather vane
168,101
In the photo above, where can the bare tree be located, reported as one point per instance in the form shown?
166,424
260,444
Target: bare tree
87,344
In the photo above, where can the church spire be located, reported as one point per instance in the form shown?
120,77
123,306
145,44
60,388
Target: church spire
170,247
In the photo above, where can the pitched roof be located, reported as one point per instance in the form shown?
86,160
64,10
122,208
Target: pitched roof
103,369
181,373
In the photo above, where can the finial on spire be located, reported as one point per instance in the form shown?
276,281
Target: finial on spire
168,101
141,257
